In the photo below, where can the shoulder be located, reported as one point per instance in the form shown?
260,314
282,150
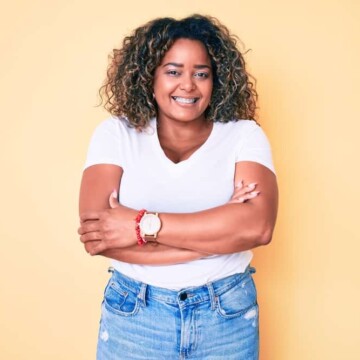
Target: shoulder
239,125
239,129
114,123
122,125
117,130
251,142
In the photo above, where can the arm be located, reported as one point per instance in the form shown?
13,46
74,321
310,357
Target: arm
152,254
97,183
229,228
232,227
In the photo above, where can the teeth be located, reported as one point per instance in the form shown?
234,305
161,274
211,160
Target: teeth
184,100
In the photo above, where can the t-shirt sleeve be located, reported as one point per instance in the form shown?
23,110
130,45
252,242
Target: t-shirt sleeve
104,147
256,147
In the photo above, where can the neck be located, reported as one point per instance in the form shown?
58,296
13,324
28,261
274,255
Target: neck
179,140
180,130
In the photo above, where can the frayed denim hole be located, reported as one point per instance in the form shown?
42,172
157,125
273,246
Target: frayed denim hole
237,300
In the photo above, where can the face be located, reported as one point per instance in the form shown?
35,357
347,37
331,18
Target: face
183,82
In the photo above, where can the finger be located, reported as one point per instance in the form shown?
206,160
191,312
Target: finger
101,246
245,197
251,186
98,248
90,245
89,226
113,200
237,200
246,189
91,236
89,215
239,184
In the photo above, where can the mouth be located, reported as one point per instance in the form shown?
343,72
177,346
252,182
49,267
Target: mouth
183,100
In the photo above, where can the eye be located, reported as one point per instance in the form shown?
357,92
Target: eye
172,73
202,75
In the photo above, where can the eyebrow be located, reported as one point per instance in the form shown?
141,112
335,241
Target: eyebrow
200,66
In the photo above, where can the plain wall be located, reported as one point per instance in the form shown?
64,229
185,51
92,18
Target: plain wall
305,56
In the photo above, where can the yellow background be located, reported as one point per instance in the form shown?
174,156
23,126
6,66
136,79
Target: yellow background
305,56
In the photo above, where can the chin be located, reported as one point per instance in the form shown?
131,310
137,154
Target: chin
186,117
189,119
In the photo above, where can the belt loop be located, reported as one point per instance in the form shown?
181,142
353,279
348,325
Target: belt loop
142,294
111,269
212,295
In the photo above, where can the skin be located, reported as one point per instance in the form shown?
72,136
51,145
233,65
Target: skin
184,72
247,221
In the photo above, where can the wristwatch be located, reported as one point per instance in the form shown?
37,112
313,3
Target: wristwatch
150,225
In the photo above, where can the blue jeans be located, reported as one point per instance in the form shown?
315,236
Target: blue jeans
218,320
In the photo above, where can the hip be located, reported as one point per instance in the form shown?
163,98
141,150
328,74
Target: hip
214,321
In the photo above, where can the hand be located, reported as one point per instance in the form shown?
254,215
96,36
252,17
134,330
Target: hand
108,229
243,193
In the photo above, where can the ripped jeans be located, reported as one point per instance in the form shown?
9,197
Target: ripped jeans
218,320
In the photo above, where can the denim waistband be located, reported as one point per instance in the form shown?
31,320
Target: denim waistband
190,295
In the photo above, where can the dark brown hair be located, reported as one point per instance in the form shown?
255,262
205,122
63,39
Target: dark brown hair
128,88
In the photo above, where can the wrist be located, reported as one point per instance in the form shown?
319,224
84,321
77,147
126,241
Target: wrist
147,226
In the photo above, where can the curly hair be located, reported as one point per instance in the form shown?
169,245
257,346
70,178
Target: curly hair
128,88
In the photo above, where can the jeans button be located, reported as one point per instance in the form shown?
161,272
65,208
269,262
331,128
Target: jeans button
183,296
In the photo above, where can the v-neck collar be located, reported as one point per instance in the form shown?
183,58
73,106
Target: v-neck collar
191,158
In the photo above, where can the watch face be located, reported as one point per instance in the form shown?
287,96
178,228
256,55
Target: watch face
150,224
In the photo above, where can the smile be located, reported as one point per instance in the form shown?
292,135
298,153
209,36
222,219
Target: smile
185,100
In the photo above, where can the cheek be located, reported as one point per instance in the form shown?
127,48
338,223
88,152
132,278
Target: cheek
163,90
163,86
207,86
207,91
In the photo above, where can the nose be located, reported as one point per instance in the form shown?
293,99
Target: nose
187,83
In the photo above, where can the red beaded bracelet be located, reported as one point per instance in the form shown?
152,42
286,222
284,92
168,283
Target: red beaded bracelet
140,240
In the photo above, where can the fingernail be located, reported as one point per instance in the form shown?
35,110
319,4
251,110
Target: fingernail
114,194
239,184
255,193
252,185
241,199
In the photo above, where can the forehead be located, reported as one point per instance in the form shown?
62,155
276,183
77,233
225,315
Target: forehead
185,51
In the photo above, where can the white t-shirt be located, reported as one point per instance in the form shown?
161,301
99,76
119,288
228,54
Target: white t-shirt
152,181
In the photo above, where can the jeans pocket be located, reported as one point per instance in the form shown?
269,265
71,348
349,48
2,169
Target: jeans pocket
238,300
120,300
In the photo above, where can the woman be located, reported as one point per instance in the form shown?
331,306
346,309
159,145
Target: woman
180,148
